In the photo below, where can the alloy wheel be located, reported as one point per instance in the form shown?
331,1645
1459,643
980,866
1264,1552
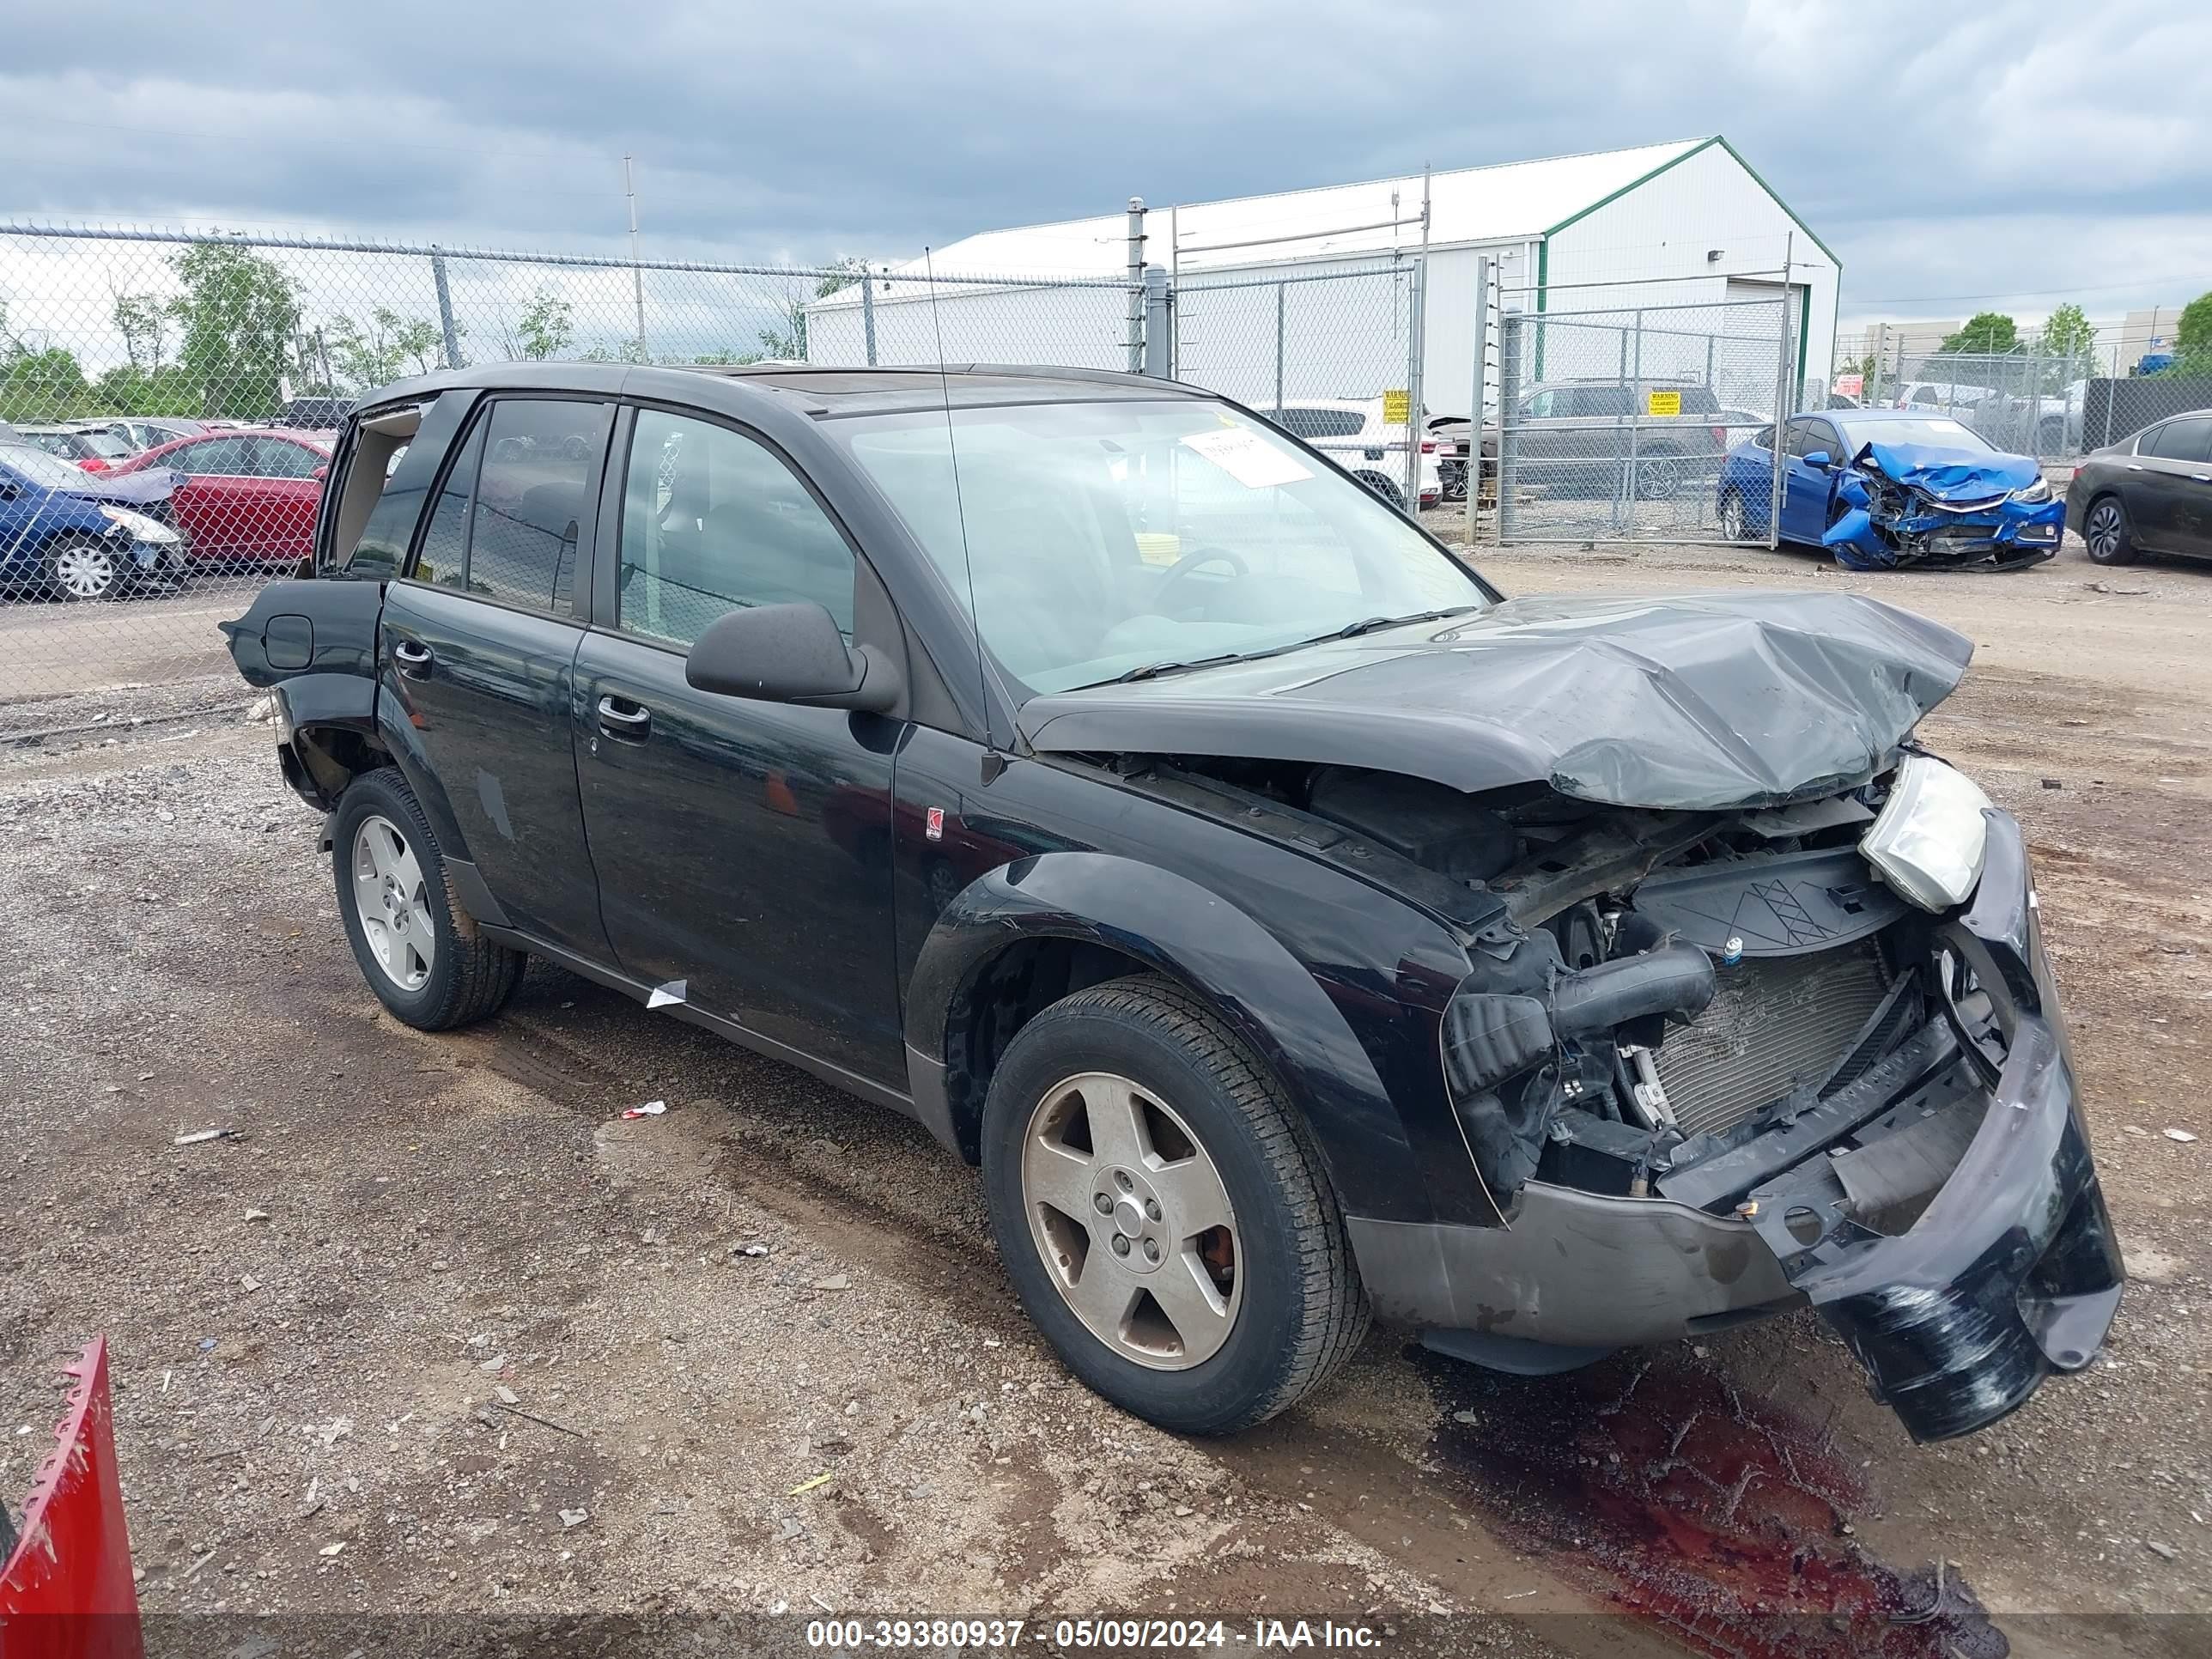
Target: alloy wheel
392,903
1657,480
1131,1220
1732,519
2103,531
85,570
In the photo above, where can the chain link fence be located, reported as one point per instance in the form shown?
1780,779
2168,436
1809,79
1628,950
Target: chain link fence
2052,395
1615,423
1330,356
171,400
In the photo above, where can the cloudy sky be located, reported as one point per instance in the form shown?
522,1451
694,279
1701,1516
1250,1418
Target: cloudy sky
2022,154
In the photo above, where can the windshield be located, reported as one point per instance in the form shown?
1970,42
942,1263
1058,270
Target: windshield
105,445
46,471
1111,539
1935,432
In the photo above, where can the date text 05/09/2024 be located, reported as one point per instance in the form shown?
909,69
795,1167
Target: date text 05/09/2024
1081,1634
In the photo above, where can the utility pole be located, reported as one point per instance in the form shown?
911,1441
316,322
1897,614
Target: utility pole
636,270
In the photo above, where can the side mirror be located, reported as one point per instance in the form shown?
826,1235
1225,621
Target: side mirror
1819,458
321,472
790,654
8,491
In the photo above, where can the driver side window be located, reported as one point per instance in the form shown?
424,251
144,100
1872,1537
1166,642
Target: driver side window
714,520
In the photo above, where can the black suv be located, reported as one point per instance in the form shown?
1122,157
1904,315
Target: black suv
1288,924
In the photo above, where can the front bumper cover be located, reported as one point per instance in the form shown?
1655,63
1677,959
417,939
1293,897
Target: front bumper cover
2011,1272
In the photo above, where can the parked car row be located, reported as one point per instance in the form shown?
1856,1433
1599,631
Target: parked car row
235,498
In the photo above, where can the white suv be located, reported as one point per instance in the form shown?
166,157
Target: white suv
1351,432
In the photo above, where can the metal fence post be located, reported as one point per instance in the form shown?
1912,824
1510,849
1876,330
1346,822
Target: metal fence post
1629,494
1136,342
1415,304
445,310
868,312
1509,394
1481,385
1158,331
1780,417
1279,341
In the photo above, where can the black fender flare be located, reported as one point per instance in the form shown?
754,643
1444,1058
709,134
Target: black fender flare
1276,1006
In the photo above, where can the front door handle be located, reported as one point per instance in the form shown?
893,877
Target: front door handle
413,657
621,719
2135,466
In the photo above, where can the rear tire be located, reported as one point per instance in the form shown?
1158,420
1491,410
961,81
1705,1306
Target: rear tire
1257,1297
1383,487
425,962
2105,532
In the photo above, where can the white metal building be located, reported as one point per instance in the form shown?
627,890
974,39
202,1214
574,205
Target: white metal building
1669,224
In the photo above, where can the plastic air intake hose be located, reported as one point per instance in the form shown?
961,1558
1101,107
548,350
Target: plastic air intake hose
1676,980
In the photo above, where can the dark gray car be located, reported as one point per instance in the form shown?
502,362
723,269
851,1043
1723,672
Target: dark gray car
2149,493
1585,437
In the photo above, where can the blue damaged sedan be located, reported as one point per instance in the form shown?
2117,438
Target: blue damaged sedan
1883,487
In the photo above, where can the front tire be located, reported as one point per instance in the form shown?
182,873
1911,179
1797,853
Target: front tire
80,568
423,962
1735,521
2105,532
1163,1214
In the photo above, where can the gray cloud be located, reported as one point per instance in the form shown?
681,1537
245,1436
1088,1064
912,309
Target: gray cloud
2021,149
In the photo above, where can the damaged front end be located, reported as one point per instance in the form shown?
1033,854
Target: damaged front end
1723,1063
1902,504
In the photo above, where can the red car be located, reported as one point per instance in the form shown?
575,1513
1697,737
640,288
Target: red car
246,493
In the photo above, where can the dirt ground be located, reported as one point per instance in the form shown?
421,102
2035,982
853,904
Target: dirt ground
434,1331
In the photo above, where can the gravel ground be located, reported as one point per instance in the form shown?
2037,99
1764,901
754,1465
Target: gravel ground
434,1331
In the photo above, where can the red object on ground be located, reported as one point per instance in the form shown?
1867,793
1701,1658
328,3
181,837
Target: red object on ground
67,1592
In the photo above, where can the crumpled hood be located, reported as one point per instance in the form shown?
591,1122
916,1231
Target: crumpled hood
1954,474
127,488
1693,702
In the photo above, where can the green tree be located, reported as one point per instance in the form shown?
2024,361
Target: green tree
43,385
2068,332
238,313
2192,338
546,328
142,320
789,337
385,350
1985,332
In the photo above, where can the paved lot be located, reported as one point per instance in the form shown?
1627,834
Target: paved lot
313,1321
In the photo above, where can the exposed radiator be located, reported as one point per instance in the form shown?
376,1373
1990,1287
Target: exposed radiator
1773,1023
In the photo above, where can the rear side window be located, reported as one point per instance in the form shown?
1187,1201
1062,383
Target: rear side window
274,458
2189,440
1591,401
509,518
213,458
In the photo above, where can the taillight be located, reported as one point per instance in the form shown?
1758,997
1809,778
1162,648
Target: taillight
1720,435
92,463
1428,446
2074,474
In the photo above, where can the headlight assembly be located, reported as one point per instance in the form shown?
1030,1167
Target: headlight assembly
1929,842
2038,491
138,526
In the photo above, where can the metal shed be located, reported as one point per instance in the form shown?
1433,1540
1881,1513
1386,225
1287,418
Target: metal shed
1685,223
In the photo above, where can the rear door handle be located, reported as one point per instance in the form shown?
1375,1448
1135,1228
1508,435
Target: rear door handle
413,657
621,719
2135,466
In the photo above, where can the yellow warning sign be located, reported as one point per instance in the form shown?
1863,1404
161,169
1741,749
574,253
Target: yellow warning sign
1396,405
1662,402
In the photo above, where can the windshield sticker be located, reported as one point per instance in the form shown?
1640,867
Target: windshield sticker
1247,456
